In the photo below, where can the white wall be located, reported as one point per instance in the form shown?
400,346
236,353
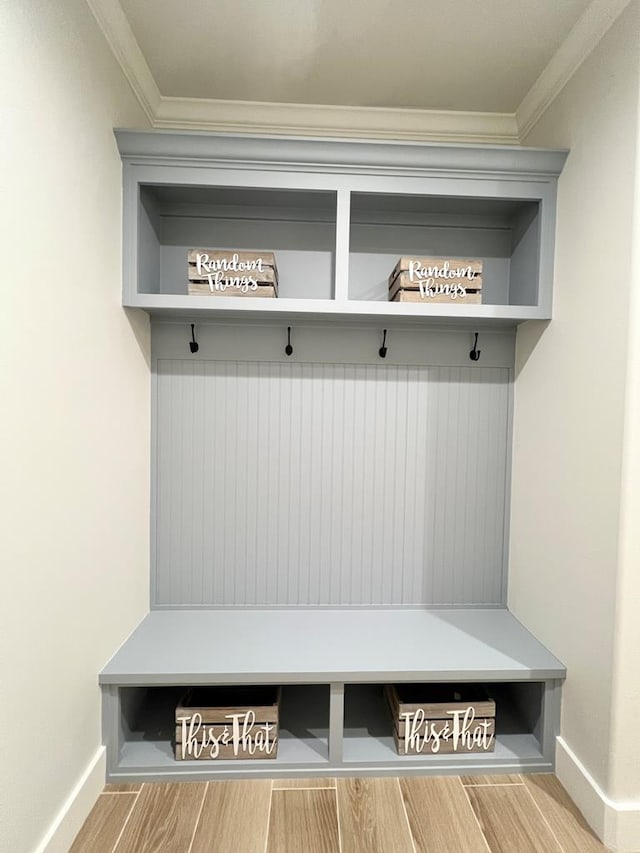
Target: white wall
624,781
75,406
568,583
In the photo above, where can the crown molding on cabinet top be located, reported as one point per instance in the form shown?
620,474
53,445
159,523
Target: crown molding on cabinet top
337,155
247,117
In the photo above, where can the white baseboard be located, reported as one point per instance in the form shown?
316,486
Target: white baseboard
66,824
616,824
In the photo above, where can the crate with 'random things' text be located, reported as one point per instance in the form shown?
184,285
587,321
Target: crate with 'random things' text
436,280
441,718
232,272
232,723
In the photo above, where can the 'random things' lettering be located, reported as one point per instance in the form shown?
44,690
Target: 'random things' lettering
430,279
217,272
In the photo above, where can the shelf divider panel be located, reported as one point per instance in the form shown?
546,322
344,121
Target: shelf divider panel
336,722
343,217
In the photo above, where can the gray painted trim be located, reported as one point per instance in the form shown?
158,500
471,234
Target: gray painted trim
130,205
317,311
331,155
551,710
186,772
507,490
111,735
153,496
336,722
546,249
333,675
340,288
223,608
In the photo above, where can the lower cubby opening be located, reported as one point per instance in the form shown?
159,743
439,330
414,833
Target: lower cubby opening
144,718
147,730
368,729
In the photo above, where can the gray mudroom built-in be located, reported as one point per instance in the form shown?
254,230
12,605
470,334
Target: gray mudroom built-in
331,463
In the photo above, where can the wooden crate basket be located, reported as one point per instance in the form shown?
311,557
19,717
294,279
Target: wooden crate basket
232,272
227,723
436,280
441,718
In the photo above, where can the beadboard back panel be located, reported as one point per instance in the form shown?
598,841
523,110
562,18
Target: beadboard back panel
310,482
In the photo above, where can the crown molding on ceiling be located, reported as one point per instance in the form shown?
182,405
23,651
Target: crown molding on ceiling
588,30
336,121
353,122
117,31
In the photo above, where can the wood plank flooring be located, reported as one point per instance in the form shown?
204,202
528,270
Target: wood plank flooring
448,814
372,816
303,820
440,816
219,827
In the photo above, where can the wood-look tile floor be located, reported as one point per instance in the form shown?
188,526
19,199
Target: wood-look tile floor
446,814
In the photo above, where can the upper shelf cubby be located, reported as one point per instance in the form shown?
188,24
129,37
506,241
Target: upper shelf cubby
337,215
298,226
501,233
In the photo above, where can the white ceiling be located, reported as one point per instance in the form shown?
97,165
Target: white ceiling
468,55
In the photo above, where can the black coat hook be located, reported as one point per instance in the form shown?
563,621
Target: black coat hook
193,344
382,352
474,355
288,349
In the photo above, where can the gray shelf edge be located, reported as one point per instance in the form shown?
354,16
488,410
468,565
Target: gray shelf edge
303,153
172,679
176,306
